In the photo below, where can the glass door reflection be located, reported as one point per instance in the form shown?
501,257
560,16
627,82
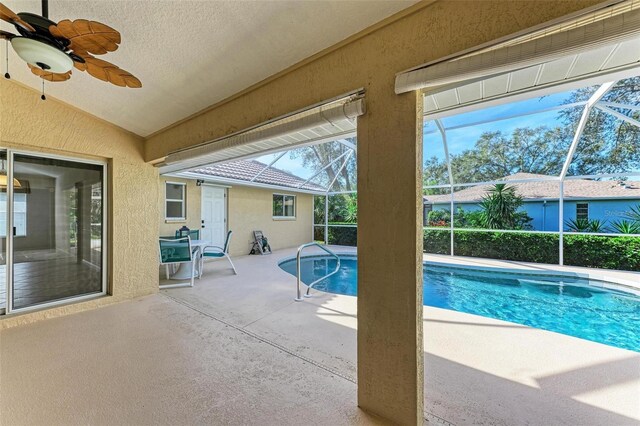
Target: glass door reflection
57,230
3,230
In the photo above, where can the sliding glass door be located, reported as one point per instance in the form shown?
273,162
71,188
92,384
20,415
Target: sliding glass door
55,209
3,231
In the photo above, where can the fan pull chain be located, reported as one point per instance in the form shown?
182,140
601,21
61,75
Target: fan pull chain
6,45
43,97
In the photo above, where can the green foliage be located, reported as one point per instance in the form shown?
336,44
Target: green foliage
625,227
577,225
586,225
468,219
634,213
597,226
343,208
316,157
343,236
607,144
351,208
439,218
500,209
630,226
318,209
593,251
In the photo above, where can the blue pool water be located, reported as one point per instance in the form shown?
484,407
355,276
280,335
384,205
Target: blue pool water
573,306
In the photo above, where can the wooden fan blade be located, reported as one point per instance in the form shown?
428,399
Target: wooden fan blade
50,76
89,36
109,72
11,17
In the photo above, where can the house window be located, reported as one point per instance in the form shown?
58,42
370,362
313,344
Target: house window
175,201
284,206
582,211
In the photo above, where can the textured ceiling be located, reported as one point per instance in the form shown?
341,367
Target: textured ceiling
192,54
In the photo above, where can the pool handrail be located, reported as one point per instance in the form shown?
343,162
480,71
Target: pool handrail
299,275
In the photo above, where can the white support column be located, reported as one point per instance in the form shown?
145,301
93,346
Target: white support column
326,219
561,224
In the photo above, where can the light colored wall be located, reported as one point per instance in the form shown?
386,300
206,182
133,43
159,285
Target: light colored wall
192,221
248,209
50,126
252,209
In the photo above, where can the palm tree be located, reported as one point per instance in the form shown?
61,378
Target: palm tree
625,227
500,206
634,213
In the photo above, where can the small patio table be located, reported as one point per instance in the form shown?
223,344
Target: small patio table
185,269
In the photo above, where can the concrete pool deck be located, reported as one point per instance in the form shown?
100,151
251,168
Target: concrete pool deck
236,349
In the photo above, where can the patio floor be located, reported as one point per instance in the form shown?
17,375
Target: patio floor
239,350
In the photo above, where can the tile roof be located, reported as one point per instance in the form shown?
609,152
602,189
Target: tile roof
573,188
245,170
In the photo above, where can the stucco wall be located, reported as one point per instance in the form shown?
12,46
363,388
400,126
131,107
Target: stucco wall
27,123
252,209
248,209
192,220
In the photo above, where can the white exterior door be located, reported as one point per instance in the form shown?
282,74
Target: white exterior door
214,215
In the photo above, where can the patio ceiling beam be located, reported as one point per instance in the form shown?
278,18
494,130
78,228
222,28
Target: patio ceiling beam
324,168
344,163
618,115
593,100
268,166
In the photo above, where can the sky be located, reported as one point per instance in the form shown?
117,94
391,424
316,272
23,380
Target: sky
465,138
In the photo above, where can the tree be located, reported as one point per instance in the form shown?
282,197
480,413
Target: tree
316,157
607,145
538,150
500,208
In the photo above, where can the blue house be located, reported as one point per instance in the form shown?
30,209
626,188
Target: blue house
607,201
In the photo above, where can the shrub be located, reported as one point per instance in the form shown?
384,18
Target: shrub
439,218
343,236
597,251
437,241
593,251
468,219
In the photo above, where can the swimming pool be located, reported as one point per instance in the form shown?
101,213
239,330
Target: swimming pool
565,304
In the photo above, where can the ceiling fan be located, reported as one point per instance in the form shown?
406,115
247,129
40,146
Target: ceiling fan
52,50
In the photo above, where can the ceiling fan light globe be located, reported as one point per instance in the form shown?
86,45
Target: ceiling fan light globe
35,52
